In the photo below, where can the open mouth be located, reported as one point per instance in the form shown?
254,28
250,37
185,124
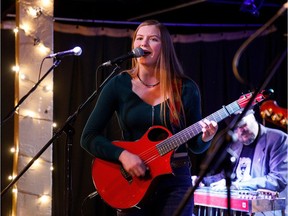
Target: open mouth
146,53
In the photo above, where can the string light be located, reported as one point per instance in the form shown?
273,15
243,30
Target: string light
24,77
14,190
29,114
43,49
13,150
36,164
16,30
46,3
11,177
26,27
16,69
47,88
34,12
44,199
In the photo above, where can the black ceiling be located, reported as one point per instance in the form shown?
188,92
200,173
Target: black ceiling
197,13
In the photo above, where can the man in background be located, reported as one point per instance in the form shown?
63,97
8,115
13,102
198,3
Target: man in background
261,163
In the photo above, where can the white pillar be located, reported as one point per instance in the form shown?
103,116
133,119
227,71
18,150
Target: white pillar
34,118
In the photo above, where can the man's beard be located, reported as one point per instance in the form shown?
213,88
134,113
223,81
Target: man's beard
250,139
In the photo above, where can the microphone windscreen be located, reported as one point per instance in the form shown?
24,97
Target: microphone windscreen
138,52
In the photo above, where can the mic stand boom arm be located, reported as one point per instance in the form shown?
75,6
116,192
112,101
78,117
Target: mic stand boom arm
56,63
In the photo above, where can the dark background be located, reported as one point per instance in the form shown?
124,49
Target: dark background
198,14
208,63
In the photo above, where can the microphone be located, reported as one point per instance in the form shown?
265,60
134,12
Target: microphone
75,51
135,53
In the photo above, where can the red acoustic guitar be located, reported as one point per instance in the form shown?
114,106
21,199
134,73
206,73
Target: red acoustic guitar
120,190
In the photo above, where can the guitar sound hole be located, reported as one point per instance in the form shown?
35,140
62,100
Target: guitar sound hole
157,134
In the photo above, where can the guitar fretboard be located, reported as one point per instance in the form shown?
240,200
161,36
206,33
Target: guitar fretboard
188,133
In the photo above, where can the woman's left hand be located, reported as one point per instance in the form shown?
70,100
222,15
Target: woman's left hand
209,129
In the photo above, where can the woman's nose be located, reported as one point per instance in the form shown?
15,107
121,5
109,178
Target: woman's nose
143,42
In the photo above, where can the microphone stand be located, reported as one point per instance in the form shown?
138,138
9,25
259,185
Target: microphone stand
56,63
226,157
68,129
228,163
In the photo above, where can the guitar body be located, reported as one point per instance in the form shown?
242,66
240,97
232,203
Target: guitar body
117,187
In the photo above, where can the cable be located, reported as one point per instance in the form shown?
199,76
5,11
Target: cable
90,196
250,39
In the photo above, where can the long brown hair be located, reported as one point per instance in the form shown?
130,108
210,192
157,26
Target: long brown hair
170,72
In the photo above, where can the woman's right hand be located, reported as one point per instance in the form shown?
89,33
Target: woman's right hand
133,164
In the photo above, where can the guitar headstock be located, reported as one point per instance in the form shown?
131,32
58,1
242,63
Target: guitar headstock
263,95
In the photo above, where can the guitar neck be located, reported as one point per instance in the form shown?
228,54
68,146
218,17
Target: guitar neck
188,133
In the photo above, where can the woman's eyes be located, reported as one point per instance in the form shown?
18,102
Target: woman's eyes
154,39
150,39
